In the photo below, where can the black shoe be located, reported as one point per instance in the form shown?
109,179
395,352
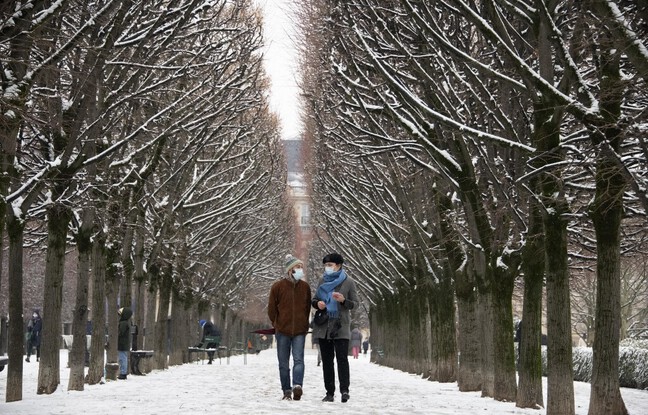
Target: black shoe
27,360
345,396
209,363
287,395
328,398
122,377
297,392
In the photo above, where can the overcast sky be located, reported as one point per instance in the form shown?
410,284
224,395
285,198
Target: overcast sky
281,64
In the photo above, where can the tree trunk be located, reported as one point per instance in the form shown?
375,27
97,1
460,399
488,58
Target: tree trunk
98,310
49,373
469,375
445,332
15,229
607,214
485,316
178,321
161,350
504,359
152,310
605,396
80,316
529,394
560,373
112,318
140,309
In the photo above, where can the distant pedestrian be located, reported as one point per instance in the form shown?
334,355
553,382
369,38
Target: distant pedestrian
209,329
365,346
289,305
356,342
123,340
34,329
336,294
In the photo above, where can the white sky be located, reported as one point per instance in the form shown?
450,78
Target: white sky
281,64
250,385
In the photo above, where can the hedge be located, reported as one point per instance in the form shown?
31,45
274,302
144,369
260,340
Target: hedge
633,364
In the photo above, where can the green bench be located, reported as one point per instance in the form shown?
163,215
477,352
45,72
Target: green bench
136,356
203,349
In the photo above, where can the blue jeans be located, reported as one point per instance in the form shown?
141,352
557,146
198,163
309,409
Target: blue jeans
286,344
123,363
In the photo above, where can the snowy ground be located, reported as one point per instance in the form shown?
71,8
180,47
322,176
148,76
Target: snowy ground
250,384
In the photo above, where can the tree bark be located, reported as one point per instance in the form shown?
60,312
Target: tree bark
485,316
529,393
112,294
161,352
49,373
607,214
80,316
504,359
98,338
605,396
467,338
152,310
560,373
15,229
444,331
178,322
469,377
140,306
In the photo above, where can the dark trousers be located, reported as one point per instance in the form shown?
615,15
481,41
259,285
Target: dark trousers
339,350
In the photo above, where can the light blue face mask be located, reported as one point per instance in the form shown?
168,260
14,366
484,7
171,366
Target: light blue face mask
329,270
298,274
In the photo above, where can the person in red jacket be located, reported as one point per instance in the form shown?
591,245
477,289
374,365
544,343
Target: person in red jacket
289,306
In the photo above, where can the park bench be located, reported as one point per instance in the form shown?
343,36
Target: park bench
203,349
136,356
3,362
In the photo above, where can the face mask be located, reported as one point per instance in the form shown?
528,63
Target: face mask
329,270
35,315
298,274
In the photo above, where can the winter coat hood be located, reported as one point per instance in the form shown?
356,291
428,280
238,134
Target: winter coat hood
125,313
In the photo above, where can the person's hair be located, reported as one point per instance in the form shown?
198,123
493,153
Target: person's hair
333,257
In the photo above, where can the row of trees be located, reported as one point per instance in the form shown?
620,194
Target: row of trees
458,145
138,131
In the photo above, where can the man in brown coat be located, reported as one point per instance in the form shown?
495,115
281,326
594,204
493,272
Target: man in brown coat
289,309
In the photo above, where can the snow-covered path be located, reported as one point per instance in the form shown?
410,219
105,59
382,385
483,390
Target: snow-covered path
250,384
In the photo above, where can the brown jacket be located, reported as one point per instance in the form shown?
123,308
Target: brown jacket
289,306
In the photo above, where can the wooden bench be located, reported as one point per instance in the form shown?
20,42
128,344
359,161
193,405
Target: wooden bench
136,356
203,349
3,362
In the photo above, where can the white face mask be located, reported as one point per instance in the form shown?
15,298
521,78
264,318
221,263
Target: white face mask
298,274
35,315
329,270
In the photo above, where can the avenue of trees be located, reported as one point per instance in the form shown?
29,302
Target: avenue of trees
136,134
458,147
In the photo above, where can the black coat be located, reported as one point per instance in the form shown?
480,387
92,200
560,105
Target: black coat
123,339
34,327
209,329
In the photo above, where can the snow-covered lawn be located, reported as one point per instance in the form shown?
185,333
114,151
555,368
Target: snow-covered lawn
250,385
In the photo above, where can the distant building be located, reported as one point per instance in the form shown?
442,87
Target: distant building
298,191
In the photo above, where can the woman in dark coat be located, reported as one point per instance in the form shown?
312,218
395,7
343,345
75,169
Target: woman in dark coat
123,340
34,328
336,295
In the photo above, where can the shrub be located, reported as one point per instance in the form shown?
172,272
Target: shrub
633,364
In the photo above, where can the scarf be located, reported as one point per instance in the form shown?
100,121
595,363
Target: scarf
325,291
